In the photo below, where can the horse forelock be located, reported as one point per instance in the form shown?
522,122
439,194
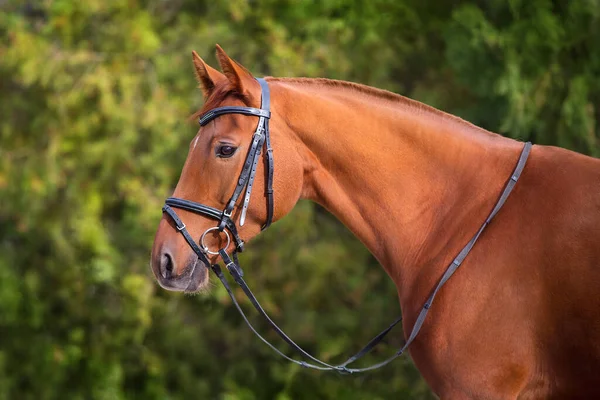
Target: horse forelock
216,98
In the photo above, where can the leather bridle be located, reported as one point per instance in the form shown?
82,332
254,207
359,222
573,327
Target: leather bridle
226,225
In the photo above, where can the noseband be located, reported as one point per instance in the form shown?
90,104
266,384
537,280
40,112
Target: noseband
225,224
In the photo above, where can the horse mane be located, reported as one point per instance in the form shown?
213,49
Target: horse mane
383,94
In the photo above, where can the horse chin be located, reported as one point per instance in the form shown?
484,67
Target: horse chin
198,278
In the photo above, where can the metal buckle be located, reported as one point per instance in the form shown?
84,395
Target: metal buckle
205,247
180,228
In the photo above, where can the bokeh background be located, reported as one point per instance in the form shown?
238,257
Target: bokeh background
94,99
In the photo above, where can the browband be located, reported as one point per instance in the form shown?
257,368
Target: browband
215,112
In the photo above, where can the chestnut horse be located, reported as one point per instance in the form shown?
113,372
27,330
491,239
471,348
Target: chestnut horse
519,319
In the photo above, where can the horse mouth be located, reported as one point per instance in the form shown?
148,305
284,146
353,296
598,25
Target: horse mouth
193,279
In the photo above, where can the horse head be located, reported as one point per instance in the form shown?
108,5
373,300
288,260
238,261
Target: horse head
218,157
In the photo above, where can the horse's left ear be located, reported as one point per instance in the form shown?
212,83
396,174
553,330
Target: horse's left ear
240,78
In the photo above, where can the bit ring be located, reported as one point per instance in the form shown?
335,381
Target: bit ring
205,247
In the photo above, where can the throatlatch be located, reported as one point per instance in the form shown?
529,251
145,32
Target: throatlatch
226,224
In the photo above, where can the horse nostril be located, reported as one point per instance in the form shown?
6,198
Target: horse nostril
166,266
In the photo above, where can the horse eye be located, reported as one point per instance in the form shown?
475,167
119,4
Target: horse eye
225,151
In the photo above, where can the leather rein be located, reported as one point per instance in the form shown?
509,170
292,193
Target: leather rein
260,140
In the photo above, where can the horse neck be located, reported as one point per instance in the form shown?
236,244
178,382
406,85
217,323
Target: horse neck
412,183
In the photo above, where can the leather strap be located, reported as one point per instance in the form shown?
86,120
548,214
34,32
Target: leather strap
237,275
269,167
257,144
215,112
180,226
244,175
465,251
234,270
207,211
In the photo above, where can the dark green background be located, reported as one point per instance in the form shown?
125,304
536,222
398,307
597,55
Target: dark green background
93,134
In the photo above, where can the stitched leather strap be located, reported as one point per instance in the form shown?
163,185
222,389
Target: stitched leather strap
215,112
207,211
269,167
180,226
257,144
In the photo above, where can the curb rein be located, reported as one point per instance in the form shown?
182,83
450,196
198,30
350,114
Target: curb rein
226,225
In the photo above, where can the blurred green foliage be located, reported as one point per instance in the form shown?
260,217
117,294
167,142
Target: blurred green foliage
93,135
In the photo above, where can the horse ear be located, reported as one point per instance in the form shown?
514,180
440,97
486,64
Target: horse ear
207,76
240,78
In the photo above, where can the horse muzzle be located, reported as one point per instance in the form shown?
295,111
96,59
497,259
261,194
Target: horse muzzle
191,279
